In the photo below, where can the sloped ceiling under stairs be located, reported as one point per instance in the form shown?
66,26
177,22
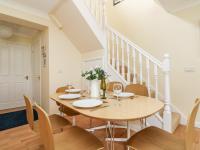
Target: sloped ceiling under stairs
75,26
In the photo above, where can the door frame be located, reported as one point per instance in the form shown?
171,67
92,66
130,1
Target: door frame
38,37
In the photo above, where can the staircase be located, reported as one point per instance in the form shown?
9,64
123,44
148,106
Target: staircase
127,62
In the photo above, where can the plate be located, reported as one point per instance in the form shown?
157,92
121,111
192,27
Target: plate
87,103
73,90
69,96
125,95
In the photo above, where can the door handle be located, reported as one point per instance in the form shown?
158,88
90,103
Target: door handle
26,77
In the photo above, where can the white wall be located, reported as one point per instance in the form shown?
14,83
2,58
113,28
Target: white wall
150,26
64,62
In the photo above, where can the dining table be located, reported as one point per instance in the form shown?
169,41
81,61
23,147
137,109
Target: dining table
125,109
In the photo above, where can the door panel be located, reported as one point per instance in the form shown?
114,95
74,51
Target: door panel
4,60
19,60
4,87
14,66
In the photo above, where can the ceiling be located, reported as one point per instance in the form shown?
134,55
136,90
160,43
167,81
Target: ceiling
178,5
44,6
19,30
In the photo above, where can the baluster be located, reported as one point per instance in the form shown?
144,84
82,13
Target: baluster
156,80
134,66
167,110
103,17
108,46
90,6
113,50
148,76
118,61
95,9
128,62
100,10
123,65
140,66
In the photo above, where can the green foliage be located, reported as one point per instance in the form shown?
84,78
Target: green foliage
96,73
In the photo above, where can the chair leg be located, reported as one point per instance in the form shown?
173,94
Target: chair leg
73,121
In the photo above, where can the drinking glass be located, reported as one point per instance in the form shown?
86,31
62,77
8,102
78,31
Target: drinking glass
117,89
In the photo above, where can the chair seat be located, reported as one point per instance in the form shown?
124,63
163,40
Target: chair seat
68,111
58,123
76,138
153,138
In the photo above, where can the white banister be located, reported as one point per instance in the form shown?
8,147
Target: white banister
104,16
128,63
156,80
98,10
108,48
167,99
100,13
148,76
113,50
134,67
117,47
140,67
123,66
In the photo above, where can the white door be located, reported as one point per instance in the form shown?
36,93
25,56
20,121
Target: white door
36,63
14,74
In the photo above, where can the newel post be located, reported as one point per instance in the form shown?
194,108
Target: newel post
167,115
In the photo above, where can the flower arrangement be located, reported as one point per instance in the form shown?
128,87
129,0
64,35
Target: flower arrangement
95,73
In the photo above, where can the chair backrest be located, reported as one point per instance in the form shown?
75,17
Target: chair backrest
111,84
62,89
45,129
137,89
29,112
190,129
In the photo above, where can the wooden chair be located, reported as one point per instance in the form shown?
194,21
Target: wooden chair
153,138
137,89
58,122
141,90
111,84
73,138
65,110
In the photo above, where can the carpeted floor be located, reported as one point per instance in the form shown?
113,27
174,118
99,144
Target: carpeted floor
14,119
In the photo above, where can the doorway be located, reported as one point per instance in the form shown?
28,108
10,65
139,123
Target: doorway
20,66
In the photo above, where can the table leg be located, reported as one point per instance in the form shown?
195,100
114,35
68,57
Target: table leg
128,130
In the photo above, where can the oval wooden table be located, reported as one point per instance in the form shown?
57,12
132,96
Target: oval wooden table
112,110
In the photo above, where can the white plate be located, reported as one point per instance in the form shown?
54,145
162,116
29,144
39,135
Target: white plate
87,103
69,96
125,95
73,90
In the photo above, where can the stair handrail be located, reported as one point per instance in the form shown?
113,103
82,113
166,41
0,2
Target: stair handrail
137,48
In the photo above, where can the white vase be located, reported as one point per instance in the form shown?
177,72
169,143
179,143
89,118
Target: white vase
94,88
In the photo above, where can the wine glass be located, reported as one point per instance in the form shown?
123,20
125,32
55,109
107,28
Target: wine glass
70,85
117,89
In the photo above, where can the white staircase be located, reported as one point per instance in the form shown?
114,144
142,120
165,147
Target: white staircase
129,63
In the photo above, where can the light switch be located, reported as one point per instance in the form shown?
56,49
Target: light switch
60,71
